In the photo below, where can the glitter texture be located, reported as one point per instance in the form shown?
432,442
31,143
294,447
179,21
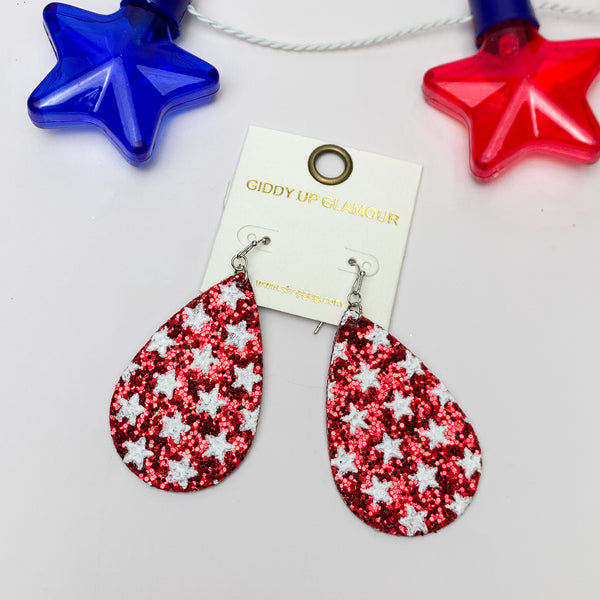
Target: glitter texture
183,414
403,455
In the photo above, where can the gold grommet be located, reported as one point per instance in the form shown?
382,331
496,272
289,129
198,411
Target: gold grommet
333,149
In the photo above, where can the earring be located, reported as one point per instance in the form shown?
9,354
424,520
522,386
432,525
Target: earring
185,410
403,455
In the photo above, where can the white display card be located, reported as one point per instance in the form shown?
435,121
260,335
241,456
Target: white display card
315,228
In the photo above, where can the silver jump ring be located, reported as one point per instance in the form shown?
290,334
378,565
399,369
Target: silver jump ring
354,297
239,262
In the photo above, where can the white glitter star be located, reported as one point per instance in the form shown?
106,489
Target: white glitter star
470,463
210,402
378,337
218,446
425,476
400,405
414,521
339,351
137,453
159,342
130,409
129,369
204,359
344,462
349,314
173,427
356,418
411,363
180,471
250,419
231,294
166,384
330,390
378,491
460,504
443,394
436,434
367,377
246,377
196,317
238,335
390,448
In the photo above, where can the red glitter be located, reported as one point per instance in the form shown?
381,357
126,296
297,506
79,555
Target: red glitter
183,414
403,455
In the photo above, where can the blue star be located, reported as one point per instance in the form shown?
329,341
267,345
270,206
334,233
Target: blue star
120,72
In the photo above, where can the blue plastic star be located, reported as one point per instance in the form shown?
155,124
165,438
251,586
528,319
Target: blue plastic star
120,72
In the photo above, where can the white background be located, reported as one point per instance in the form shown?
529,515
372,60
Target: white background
498,295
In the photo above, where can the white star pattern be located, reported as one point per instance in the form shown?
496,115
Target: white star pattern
343,462
204,359
460,504
356,418
250,419
166,384
159,342
173,427
210,402
367,377
339,351
180,471
436,434
390,448
238,335
330,390
196,317
378,337
129,369
414,521
400,405
443,394
378,491
246,377
470,463
411,363
231,294
137,453
130,409
425,476
218,446
349,314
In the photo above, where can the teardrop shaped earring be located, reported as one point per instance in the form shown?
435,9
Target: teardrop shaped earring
184,412
403,455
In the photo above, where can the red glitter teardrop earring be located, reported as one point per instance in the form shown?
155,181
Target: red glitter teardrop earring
185,410
403,455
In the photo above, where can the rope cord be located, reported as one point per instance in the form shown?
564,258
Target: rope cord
370,41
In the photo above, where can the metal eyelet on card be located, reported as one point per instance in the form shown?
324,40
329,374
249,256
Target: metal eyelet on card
333,149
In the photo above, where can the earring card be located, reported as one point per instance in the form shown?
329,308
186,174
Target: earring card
316,228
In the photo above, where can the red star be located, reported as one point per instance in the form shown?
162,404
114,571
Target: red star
521,93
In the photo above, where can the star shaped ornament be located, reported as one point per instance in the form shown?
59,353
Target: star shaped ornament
520,93
120,72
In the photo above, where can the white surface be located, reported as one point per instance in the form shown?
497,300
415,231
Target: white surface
304,271
498,295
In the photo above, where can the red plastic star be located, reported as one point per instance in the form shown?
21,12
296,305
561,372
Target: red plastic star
521,93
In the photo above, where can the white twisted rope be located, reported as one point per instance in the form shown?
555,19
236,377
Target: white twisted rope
370,41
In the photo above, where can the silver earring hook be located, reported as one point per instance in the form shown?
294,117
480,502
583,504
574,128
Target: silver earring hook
354,297
240,261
